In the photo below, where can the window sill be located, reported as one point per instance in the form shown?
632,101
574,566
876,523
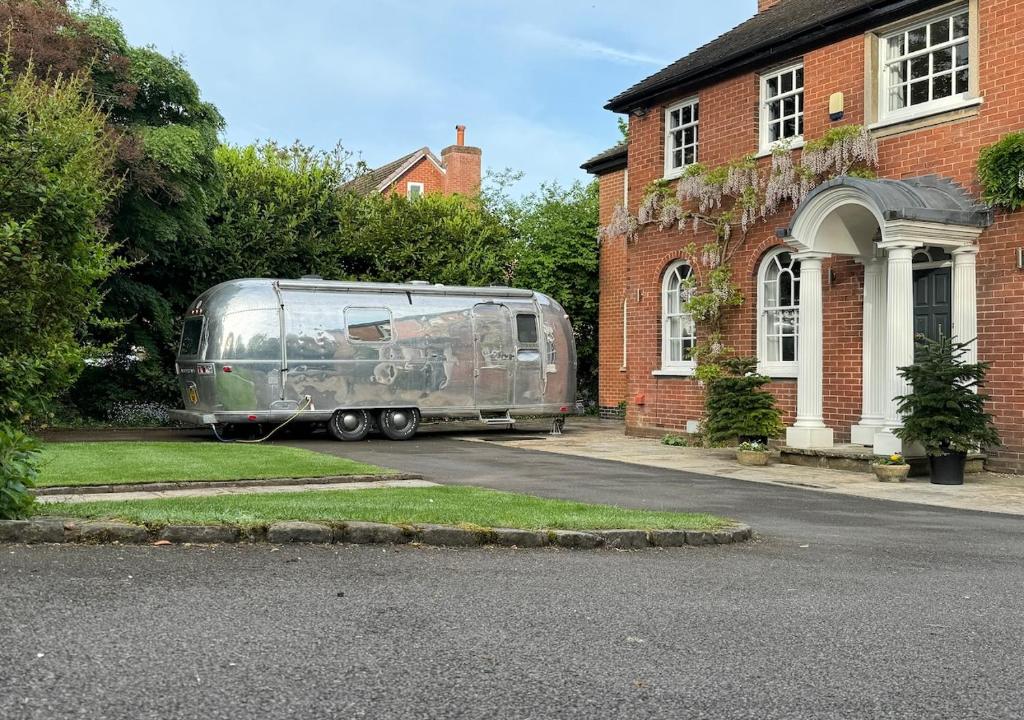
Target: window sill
926,118
779,372
674,372
796,144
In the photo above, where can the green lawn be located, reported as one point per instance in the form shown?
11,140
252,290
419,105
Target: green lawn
440,505
126,463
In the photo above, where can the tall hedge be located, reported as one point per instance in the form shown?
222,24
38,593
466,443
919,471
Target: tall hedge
56,186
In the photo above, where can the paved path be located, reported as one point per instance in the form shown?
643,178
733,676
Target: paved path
198,490
989,492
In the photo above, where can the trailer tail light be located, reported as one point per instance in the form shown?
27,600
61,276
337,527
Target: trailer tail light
252,418
204,368
563,409
226,368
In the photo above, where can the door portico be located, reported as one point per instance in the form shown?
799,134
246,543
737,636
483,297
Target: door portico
881,224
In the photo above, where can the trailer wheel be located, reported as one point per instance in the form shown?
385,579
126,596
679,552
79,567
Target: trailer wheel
399,424
349,425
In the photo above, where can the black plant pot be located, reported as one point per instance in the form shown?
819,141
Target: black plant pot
948,469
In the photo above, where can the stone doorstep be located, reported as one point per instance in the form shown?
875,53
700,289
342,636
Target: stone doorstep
56,530
258,482
855,458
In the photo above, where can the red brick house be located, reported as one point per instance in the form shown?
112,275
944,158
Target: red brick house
834,291
421,172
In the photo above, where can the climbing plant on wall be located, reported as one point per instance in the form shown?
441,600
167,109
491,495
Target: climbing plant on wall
728,201
1001,172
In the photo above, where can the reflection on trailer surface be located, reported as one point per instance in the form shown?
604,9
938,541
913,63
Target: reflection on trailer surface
359,354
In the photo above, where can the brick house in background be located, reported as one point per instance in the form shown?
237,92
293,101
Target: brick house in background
420,172
836,290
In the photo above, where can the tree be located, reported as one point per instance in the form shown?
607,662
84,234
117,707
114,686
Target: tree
738,406
436,238
278,214
168,135
944,411
558,254
55,187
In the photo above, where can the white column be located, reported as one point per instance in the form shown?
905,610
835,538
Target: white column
873,381
899,337
965,299
809,431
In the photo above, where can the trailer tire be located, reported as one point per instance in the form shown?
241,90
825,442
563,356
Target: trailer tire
349,425
399,424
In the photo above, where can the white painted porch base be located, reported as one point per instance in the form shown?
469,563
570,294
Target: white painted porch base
808,438
864,433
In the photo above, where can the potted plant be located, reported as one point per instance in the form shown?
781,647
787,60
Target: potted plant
944,411
752,453
739,409
893,468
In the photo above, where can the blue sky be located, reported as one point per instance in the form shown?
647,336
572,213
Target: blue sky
528,77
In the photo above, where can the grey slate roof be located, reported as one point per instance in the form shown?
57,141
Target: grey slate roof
776,35
924,199
614,158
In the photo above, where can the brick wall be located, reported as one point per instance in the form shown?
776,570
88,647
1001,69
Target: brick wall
729,129
426,172
462,164
612,271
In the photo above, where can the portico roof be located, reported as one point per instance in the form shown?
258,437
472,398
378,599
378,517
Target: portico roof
927,199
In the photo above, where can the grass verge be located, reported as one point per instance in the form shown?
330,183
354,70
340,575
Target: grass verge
438,505
129,463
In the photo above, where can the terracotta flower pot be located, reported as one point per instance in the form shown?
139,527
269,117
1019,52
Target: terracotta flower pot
891,473
751,457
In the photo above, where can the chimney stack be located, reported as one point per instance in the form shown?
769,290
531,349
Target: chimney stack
763,5
462,166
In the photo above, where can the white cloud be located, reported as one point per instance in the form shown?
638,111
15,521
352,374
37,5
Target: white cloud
581,47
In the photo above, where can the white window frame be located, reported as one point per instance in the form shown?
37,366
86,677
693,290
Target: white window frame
796,141
932,107
694,104
669,366
777,368
410,186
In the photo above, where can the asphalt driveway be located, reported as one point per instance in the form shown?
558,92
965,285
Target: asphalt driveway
845,608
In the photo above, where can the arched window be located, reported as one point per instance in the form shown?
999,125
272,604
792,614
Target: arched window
678,331
778,300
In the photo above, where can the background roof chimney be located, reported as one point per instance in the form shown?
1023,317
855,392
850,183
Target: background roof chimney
462,166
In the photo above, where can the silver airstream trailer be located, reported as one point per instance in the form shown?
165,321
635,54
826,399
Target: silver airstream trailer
362,355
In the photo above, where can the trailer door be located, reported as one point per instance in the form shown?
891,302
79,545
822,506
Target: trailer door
494,355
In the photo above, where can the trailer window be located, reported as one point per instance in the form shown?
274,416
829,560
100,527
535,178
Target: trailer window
526,329
368,324
191,335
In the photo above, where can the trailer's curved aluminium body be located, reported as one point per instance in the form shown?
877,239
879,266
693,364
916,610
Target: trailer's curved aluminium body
381,353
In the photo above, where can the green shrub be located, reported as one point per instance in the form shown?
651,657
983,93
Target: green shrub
944,411
1001,172
738,408
675,441
19,460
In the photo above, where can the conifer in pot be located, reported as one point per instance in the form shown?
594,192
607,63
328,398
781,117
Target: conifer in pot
945,410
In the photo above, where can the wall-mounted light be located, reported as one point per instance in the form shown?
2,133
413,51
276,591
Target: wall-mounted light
639,112
836,107
1020,258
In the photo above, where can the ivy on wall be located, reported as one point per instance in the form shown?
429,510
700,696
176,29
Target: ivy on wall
1001,172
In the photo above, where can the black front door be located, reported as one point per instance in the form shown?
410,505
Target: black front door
933,302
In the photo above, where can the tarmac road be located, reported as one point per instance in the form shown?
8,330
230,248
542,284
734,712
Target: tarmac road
843,608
